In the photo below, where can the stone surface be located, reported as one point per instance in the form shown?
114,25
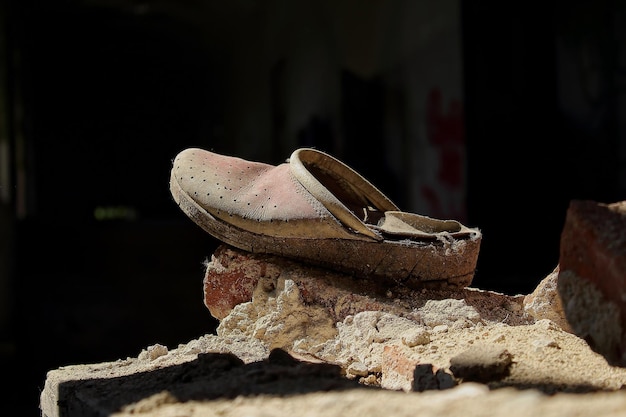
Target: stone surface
100,396
278,346
237,367
297,340
545,301
481,363
593,248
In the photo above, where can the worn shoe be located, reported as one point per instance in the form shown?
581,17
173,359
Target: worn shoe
315,209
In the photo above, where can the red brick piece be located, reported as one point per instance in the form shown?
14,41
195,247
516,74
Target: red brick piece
233,277
230,280
593,248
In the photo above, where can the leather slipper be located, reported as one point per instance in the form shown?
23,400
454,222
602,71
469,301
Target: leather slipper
316,209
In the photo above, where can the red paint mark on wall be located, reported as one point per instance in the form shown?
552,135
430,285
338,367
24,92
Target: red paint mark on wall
445,131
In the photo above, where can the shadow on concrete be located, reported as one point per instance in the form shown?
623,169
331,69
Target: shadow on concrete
211,376
214,376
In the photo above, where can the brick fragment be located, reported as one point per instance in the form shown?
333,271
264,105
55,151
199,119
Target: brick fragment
232,277
402,370
593,249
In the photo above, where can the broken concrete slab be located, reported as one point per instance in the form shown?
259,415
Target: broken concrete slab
240,363
386,349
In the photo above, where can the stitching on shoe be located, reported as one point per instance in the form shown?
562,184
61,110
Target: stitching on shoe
313,202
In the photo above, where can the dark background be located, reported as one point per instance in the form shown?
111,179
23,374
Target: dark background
97,260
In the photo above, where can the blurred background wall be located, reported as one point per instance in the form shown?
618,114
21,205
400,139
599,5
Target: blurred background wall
493,113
